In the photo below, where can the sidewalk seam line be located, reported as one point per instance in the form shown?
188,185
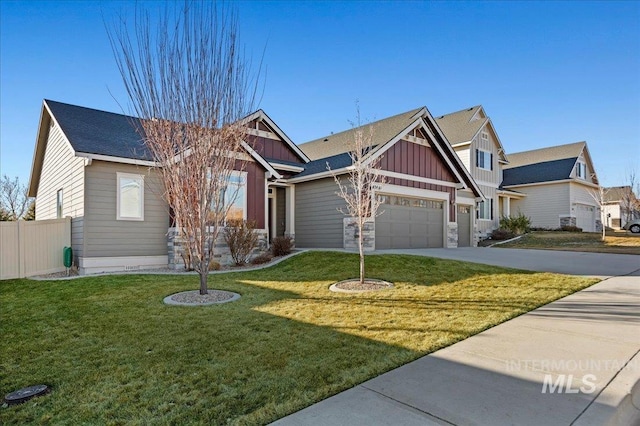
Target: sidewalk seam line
407,405
603,388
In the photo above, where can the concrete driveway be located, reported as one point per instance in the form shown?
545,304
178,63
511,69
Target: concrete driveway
563,262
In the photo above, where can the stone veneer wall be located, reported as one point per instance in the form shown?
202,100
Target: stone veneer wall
567,221
350,238
452,234
221,250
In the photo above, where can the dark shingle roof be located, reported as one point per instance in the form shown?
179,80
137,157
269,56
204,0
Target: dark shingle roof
318,166
93,131
545,171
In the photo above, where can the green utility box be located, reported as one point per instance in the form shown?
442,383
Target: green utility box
68,257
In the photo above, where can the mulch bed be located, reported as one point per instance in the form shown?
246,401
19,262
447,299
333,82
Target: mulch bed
354,286
194,298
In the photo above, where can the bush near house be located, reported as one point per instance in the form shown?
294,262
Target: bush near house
281,246
501,234
518,225
242,239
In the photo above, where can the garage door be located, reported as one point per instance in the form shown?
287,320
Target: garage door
409,223
464,226
585,217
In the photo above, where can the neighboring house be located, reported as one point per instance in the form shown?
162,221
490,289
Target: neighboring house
427,196
559,182
474,138
621,206
93,166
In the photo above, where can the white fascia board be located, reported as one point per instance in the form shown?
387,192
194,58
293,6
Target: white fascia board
414,178
321,175
112,159
261,160
286,167
260,113
457,158
551,182
459,144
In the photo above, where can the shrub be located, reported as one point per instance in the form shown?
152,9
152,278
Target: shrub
214,266
519,225
241,238
571,228
502,234
281,246
262,258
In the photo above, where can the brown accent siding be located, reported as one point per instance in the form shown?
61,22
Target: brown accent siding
273,149
255,194
418,160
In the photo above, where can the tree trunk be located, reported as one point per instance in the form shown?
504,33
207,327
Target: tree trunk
361,250
203,281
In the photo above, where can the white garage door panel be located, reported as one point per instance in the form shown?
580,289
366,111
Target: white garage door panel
409,223
585,217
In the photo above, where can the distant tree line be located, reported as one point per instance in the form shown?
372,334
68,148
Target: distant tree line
15,203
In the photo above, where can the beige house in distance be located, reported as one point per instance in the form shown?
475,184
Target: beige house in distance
474,138
559,183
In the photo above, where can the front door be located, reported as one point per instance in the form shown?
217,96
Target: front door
464,226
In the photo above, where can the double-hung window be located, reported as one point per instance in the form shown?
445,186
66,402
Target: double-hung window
581,170
130,197
485,209
484,159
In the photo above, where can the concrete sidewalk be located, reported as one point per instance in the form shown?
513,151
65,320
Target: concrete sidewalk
585,347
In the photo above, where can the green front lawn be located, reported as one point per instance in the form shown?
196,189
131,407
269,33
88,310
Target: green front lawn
113,353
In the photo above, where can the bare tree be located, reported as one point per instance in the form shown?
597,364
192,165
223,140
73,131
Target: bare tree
13,198
357,189
599,195
190,85
629,203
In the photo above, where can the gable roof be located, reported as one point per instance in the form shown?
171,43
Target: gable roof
103,135
383,131
260,114
552,153
545,171
458,125
386,132
617,193
462,126
92,131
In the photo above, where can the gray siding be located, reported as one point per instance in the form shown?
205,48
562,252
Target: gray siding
318,221
61,169
106,236
77,238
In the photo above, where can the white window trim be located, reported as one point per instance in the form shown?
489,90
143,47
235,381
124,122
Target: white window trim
487,202
243,176
489,154
120,175
581,165
60,203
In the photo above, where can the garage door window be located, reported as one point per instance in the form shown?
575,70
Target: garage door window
410,202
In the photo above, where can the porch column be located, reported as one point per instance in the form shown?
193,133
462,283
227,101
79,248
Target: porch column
507,206
290,202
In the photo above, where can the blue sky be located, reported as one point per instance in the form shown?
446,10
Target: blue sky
547,73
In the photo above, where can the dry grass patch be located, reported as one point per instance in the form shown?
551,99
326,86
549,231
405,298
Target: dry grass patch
113,353
617,242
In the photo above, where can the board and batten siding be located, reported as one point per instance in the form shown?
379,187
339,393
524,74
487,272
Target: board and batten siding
61,169
104,235
485,226
543,204
489,145
318,222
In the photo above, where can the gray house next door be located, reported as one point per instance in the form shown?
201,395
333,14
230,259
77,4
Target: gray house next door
409,223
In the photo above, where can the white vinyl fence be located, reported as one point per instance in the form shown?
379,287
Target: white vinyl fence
33,247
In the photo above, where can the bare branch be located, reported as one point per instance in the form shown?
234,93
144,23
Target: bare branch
190,86
13,198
